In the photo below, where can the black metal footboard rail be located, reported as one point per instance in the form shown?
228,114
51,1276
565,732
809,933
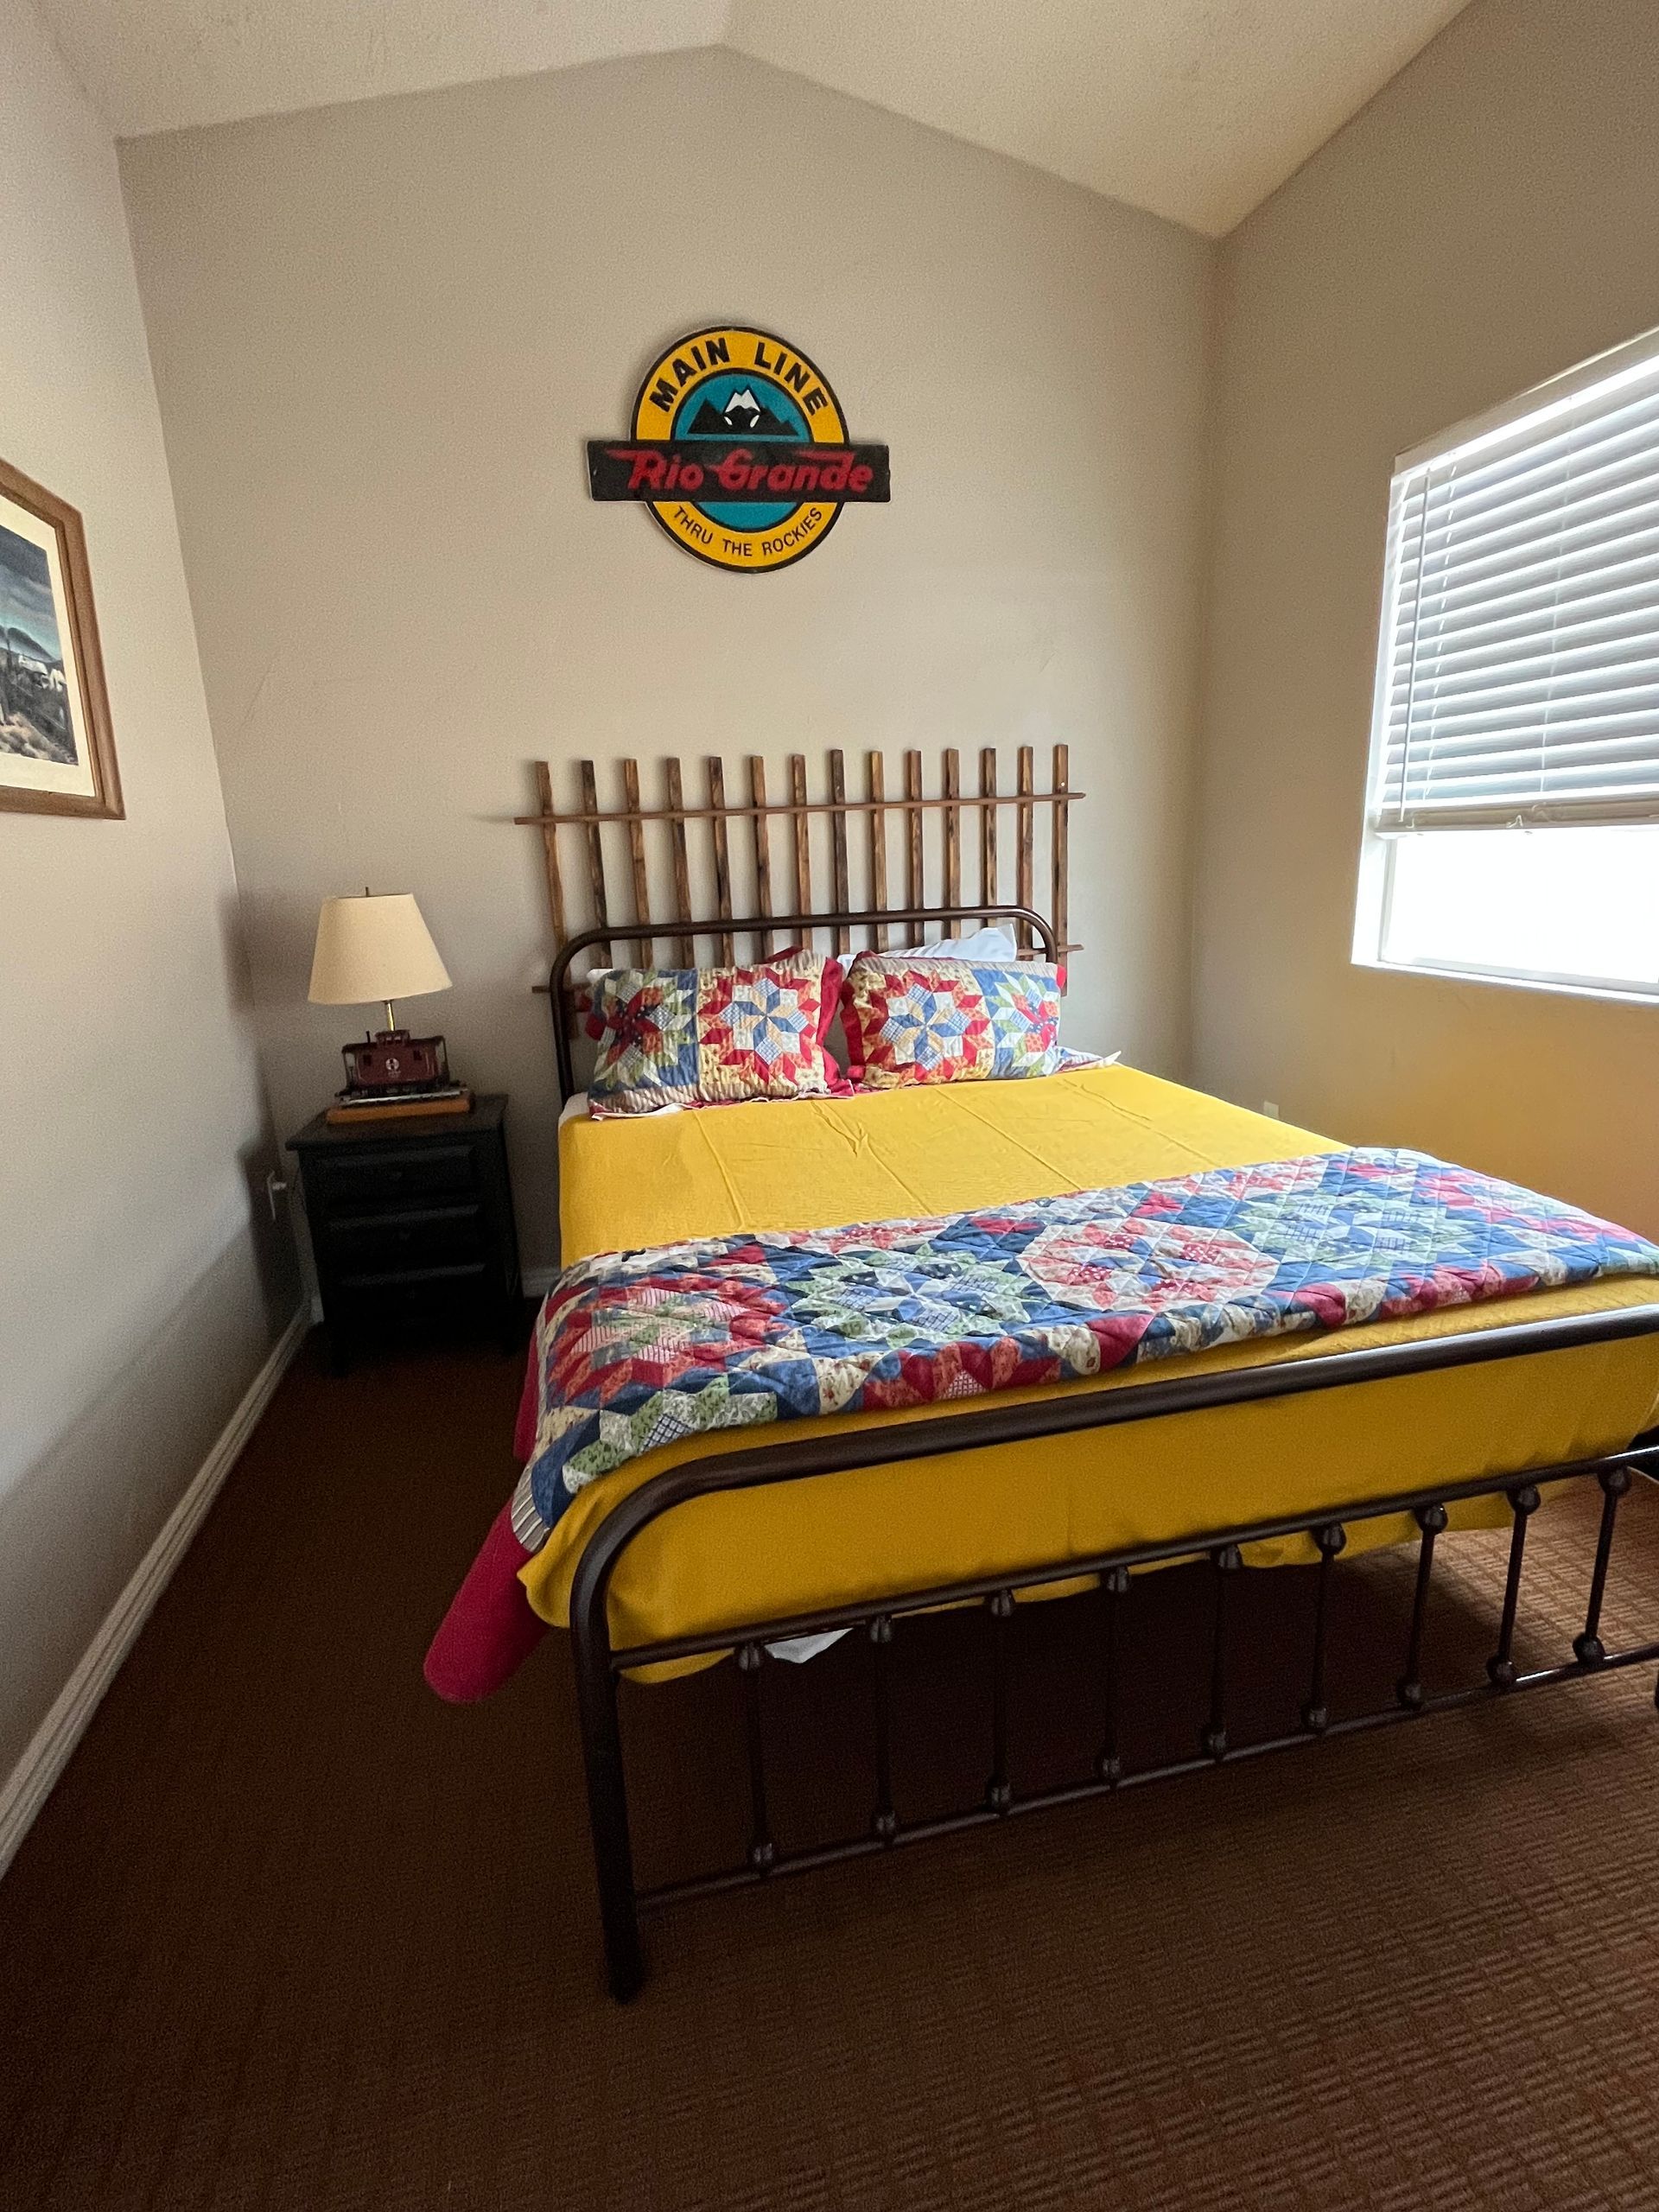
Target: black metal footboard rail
598,1665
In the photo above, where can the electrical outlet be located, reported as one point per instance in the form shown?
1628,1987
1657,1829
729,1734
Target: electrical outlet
1270,1108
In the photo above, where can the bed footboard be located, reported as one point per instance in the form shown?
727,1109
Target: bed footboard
598,1664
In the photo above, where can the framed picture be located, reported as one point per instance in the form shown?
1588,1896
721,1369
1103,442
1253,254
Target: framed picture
57,755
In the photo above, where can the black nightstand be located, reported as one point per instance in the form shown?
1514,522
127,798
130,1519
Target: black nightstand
411,1223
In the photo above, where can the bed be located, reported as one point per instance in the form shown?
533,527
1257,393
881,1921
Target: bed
769,1553
1279,1450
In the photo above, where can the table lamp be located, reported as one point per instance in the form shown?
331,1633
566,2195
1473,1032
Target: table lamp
378,947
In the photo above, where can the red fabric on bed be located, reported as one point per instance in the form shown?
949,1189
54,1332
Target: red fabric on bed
489,1629
523,1428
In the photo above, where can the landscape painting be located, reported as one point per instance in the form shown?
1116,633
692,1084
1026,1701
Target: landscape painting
56,752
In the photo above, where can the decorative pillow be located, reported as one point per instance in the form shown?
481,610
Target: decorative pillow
711,1036
949,1021
980,946
581,991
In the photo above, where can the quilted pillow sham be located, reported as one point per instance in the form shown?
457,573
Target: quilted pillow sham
909,1021
713,1036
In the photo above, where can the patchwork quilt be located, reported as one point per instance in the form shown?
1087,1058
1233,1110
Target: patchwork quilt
636,1350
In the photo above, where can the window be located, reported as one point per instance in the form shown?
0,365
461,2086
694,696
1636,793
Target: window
1512,812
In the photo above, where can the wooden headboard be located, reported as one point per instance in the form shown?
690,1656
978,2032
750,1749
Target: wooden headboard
583,827
575,841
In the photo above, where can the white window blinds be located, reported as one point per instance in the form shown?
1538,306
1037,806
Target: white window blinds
1519,676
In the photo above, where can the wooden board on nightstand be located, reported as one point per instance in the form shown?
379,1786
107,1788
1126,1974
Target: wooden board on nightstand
411,1225
366,1112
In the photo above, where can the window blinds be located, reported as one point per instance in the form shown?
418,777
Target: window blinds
1519,679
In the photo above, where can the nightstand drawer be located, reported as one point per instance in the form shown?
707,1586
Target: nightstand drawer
411,1238
375,1301
386,1175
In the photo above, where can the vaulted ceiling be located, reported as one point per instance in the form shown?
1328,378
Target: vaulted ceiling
1194,109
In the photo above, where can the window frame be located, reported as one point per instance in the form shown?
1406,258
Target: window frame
1375,887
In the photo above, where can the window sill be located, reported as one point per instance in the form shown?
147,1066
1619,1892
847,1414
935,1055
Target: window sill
1558,986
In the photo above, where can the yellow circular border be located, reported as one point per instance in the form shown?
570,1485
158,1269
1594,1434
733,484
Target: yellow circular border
765,354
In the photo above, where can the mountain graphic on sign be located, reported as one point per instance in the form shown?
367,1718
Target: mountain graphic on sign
742,414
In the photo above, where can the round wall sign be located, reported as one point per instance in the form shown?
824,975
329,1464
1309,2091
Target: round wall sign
739,446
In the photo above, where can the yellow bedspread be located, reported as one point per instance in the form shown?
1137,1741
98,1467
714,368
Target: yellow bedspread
765,1554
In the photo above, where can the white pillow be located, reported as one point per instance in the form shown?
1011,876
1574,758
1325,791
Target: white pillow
988,946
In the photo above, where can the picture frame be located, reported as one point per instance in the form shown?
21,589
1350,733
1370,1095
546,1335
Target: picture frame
57,750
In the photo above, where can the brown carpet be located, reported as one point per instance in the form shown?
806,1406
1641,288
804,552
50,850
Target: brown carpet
291,1933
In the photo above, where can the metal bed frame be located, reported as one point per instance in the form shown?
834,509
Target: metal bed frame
599,1664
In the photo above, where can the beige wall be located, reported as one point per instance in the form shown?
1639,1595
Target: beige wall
1490,219
132,1310
381,333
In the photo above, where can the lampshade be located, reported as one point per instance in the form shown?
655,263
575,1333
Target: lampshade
374,947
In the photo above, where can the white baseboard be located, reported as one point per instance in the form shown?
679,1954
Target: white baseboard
30,1784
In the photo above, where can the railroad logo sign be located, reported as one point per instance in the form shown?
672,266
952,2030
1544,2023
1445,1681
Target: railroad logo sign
739,446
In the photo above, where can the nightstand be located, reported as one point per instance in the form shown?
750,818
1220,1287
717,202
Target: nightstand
411,1225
